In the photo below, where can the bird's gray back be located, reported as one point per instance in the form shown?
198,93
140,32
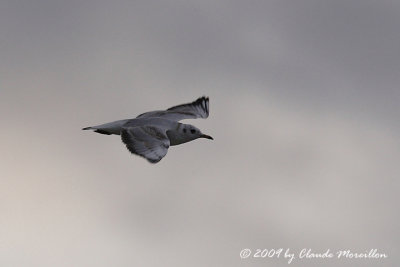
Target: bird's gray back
157,122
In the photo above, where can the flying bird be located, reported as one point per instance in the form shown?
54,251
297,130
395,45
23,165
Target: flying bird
150,134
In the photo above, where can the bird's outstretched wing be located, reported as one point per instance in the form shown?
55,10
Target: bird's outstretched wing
149,142
194,110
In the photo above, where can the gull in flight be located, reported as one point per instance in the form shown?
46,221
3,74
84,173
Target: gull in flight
150,134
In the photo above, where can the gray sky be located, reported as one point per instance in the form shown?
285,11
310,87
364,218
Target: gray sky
303,108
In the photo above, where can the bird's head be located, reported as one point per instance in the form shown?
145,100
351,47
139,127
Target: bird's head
186,133
191,132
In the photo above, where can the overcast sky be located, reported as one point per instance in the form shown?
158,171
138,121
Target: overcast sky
304,110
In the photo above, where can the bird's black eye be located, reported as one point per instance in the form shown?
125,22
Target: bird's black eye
192,131
184,130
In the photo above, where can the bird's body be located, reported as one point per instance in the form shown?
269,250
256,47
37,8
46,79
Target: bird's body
150,134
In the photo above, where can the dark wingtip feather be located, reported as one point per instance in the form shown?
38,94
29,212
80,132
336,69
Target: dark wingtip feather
154,161
203,102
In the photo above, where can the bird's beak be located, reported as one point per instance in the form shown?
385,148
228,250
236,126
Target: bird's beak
206,136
